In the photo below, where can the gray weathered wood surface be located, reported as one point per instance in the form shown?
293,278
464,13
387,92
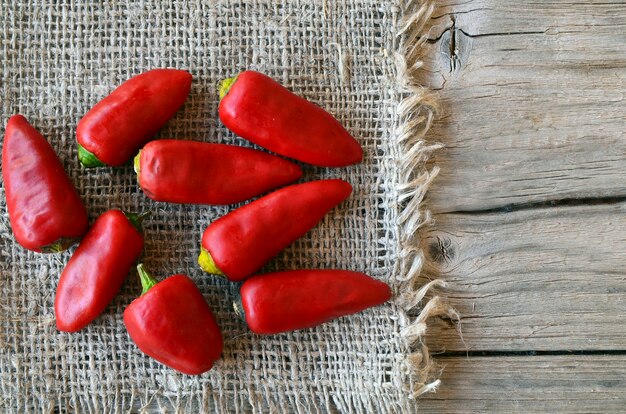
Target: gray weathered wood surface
530,204
537,384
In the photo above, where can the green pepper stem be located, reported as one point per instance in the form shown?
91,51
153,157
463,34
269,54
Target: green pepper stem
137,219
225,85
88,159
60,245
207,264
147,281
136,165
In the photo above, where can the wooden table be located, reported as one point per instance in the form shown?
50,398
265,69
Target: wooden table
530,205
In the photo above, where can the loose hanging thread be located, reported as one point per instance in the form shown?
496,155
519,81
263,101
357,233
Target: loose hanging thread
416,112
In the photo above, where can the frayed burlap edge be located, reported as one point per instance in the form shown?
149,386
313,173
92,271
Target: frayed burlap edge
416,111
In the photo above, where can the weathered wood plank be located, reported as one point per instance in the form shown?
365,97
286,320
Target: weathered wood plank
538,279
533,98
537,384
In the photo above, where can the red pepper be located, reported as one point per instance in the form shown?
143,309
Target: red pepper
260,110
201,173
172,323
97,269
46,212
299,299
117,126
241,242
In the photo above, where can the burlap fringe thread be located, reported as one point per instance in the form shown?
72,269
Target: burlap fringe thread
416,112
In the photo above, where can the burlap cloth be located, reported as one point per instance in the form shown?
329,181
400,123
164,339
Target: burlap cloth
356,59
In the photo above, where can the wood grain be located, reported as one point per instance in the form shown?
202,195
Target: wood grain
529,207
538,279
530,384
533,98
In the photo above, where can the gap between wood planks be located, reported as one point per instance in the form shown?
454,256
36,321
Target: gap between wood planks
565,202
505,353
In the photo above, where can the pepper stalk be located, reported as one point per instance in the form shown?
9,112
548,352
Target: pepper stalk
88,159
225,85
147,281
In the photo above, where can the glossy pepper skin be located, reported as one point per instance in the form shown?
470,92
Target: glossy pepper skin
117,126
241,242
97,269
172,323
259,109
46,213
299,299
201,173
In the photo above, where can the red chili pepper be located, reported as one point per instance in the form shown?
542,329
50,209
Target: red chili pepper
97,269
117,126
46,213
172,323
260,110
201,173
241,242
299,299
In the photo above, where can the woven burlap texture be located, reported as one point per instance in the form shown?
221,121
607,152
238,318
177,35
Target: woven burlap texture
356,60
